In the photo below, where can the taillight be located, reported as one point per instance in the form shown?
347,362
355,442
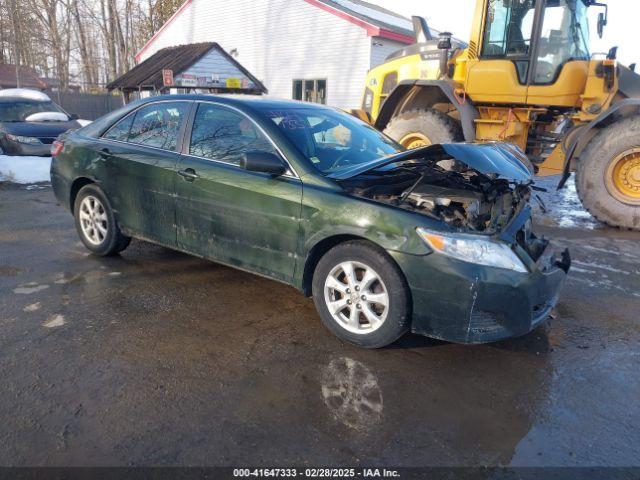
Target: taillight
56,148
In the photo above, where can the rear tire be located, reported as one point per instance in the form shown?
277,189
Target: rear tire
608,195
431,125
370,307
96,224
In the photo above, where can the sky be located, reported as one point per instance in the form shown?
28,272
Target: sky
456,16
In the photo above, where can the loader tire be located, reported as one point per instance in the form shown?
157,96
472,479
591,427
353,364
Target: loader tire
608,175
417,128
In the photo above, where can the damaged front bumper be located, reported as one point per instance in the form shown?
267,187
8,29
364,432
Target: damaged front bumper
463,302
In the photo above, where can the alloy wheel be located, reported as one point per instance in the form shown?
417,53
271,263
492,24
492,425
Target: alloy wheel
93,220
356,297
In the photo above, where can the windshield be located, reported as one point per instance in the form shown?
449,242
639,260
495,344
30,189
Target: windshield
565,37
19,110
332,140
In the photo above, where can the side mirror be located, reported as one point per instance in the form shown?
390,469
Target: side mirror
602,22
263,162
73,116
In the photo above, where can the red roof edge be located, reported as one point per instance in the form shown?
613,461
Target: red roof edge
408,39
167,23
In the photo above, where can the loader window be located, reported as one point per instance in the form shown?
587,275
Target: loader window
564,37
389,83
508,28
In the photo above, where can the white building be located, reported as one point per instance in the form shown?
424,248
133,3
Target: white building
315,50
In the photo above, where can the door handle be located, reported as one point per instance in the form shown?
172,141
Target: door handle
104,153
188,174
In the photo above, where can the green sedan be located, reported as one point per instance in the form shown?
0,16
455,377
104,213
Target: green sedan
437,240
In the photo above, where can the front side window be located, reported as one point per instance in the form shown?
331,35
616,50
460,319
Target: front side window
331,140
508,28
158,125
564,37
224,135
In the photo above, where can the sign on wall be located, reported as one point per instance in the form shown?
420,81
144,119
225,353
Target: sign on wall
167,78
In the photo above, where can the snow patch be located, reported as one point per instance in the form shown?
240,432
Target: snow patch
25,93
25,169
601,266
34,307
29,288
47,117
54,321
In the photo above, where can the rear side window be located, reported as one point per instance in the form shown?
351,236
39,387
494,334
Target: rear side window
120,131
156,125
223,135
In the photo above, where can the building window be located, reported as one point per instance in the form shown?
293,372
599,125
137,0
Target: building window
310,91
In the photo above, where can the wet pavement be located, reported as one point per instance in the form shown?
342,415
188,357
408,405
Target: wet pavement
158,358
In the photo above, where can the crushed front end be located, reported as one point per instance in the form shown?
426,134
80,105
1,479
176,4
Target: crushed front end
488,276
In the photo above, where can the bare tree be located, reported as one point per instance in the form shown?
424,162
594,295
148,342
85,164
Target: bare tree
89,42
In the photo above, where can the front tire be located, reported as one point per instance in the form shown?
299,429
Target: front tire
419,128
361,295
96,224
608,175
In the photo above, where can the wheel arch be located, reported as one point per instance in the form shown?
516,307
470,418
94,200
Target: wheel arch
618,111
77,184
320,248
414,94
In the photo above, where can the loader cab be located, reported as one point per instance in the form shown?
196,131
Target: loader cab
531,52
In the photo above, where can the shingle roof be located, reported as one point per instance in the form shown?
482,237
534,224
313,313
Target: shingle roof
148,74
29,78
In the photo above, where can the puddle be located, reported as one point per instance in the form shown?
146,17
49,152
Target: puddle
29,288
351,393
54,321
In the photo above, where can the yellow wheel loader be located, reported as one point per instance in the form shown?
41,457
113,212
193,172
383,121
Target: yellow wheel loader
527,76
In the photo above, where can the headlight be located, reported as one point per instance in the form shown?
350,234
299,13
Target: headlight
21,139
473,249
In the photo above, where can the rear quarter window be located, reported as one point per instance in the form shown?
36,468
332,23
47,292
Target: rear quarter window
155,125
120,131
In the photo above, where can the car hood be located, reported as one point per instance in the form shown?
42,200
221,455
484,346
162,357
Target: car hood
500,159
38,129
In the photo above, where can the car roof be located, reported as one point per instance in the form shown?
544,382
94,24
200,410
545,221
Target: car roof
251,101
